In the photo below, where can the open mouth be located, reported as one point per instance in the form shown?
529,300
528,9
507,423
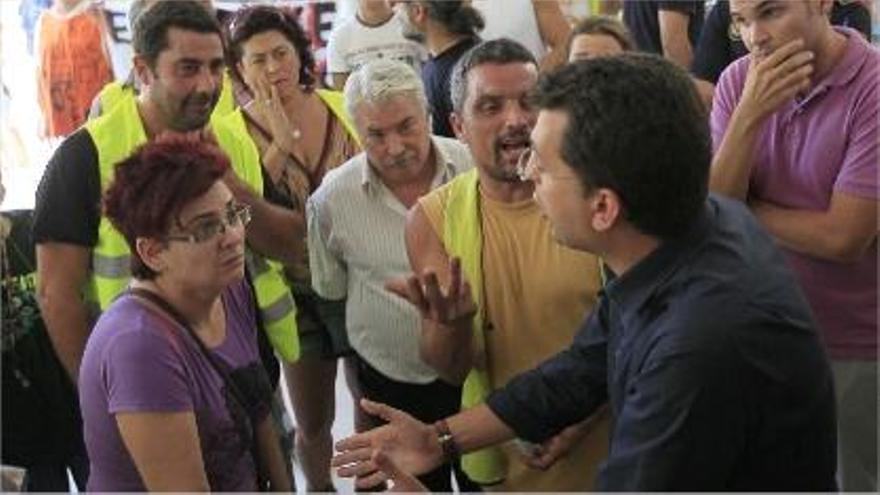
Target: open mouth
512,148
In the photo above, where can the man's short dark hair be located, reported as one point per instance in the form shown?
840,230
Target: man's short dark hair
498,51
455,15
636,126
150,36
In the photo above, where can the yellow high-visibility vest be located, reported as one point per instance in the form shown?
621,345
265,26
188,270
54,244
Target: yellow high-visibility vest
117,134
462,237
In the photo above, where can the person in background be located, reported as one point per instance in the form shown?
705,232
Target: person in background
795,126
373,32
598,36
301,132
356,222
29,11
720,42
73,63
539,25
448,29
670,28
173,394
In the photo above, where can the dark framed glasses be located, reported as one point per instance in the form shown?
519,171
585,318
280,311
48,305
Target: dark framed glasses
209,228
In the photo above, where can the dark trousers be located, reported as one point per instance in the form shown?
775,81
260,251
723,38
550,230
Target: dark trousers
428,403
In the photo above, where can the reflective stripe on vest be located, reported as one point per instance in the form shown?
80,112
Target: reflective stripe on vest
462,237
116,135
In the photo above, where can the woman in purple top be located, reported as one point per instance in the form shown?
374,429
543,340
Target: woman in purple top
172,391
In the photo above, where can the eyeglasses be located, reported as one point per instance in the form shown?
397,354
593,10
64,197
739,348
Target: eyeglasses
205,230
525,170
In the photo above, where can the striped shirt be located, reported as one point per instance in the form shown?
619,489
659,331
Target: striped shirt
356,243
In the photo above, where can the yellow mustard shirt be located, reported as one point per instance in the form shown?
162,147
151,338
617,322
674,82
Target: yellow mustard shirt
538,293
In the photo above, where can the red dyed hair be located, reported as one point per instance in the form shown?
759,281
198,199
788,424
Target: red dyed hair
152,186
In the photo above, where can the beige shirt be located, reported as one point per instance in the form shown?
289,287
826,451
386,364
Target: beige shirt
536,292
356,243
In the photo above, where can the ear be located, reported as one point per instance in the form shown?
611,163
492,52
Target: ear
457,124
151,253
419,13
142,70
607,208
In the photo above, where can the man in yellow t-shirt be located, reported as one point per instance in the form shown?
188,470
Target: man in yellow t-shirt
530,292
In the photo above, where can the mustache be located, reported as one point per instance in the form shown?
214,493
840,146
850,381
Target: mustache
200,99
516,136
401,160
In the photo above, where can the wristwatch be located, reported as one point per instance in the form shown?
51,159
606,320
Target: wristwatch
450,449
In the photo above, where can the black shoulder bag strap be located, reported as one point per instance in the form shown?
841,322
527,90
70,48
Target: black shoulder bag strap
237,394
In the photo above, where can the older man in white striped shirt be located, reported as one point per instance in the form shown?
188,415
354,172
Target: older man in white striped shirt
356,224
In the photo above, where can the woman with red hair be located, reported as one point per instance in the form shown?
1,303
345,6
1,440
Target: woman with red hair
173,393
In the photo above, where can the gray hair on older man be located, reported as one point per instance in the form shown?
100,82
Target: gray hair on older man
380,80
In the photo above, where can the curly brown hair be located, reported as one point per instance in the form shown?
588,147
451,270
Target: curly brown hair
251,21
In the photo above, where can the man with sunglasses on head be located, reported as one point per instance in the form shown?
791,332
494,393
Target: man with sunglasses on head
530,292
83,263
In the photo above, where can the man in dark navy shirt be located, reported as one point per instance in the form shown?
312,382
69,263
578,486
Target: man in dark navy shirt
702,342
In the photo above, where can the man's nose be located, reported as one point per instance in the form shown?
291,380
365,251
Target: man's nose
515,115
208,81
394,144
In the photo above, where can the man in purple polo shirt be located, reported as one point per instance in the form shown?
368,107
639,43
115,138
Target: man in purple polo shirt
795,126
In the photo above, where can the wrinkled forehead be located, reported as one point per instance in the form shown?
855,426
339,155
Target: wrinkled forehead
390,111
509,80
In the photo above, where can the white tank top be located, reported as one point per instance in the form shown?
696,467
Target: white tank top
514,19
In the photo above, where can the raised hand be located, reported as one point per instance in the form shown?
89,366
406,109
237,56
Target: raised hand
267,103
446,306
776,78
409,444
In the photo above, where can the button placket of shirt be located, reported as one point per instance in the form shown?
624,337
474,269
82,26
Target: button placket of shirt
617,354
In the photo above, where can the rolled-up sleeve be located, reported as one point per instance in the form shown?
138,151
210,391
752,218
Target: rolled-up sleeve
563,390
329,274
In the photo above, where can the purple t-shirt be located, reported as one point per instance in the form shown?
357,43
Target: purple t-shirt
810,148
138,360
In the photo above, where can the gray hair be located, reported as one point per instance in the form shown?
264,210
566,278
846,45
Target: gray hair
380,80
498,51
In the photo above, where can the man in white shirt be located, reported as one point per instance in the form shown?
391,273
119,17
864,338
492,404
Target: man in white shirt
356,242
